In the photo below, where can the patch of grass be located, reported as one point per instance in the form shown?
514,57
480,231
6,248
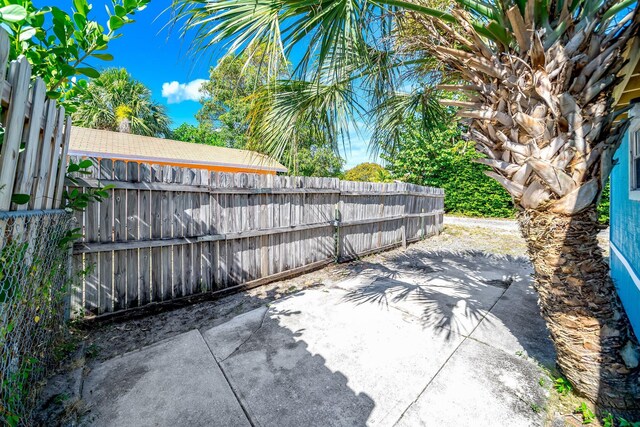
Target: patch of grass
586,413
61,398
535,408
563,386
64,348
565,403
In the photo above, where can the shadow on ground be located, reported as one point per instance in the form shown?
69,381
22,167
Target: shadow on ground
462,292
420,337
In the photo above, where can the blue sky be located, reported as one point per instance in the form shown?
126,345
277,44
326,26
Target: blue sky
159,58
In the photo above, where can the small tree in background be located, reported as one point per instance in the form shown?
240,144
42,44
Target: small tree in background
318,160
226,96
367,172
235,86
201,134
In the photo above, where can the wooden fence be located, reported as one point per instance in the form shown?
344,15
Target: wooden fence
36,136
170,232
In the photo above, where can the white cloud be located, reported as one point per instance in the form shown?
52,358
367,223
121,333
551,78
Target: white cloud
176,92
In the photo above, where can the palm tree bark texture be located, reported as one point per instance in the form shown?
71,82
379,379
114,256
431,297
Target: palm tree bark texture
542,111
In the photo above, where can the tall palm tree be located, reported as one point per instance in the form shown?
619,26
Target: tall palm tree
116,101
535,80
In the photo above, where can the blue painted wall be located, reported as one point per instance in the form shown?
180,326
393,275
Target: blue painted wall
625,237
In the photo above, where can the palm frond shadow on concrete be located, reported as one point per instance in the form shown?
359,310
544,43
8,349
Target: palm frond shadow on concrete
450,291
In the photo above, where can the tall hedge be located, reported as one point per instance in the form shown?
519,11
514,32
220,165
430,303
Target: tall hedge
442,158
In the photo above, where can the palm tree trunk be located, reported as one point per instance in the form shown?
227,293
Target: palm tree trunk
597,350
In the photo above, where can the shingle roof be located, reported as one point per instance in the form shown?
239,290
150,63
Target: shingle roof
116,145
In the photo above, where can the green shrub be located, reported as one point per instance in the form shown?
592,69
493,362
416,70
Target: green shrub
441,158
604,205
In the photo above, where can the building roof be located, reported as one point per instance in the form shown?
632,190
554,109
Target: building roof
629,88
125,146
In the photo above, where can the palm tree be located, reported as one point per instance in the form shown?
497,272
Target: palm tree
116,101
535,81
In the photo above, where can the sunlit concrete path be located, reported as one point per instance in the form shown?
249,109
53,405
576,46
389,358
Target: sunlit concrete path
434,338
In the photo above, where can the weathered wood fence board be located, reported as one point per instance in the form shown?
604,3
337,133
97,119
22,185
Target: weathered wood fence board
36,134
169,232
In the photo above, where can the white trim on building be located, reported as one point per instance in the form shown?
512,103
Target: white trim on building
625,262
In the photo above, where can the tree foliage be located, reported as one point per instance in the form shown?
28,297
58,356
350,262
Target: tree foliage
227,95
318,160
115,101
235,95
200,134
62,47
605,204
441,158
367,172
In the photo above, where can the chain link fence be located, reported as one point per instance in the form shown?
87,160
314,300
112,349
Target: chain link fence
33,299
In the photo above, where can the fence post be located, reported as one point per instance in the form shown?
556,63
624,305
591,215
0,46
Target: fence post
336,224
403,227
403,231
69,278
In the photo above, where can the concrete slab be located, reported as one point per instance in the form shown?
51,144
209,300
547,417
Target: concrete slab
317,359
515,325
480,386
224,339
451,291
175,382
424,338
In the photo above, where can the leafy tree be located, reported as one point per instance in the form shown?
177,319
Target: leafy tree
116,101
441,158
236,85
201,134
318,160
60,45
536,80
227,95
367,172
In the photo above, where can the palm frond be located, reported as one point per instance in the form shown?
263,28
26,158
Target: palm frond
392,114
280,110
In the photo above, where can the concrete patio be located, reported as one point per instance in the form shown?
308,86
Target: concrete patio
422,339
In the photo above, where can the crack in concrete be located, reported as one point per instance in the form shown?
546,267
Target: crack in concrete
248,338
245,410
449,358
